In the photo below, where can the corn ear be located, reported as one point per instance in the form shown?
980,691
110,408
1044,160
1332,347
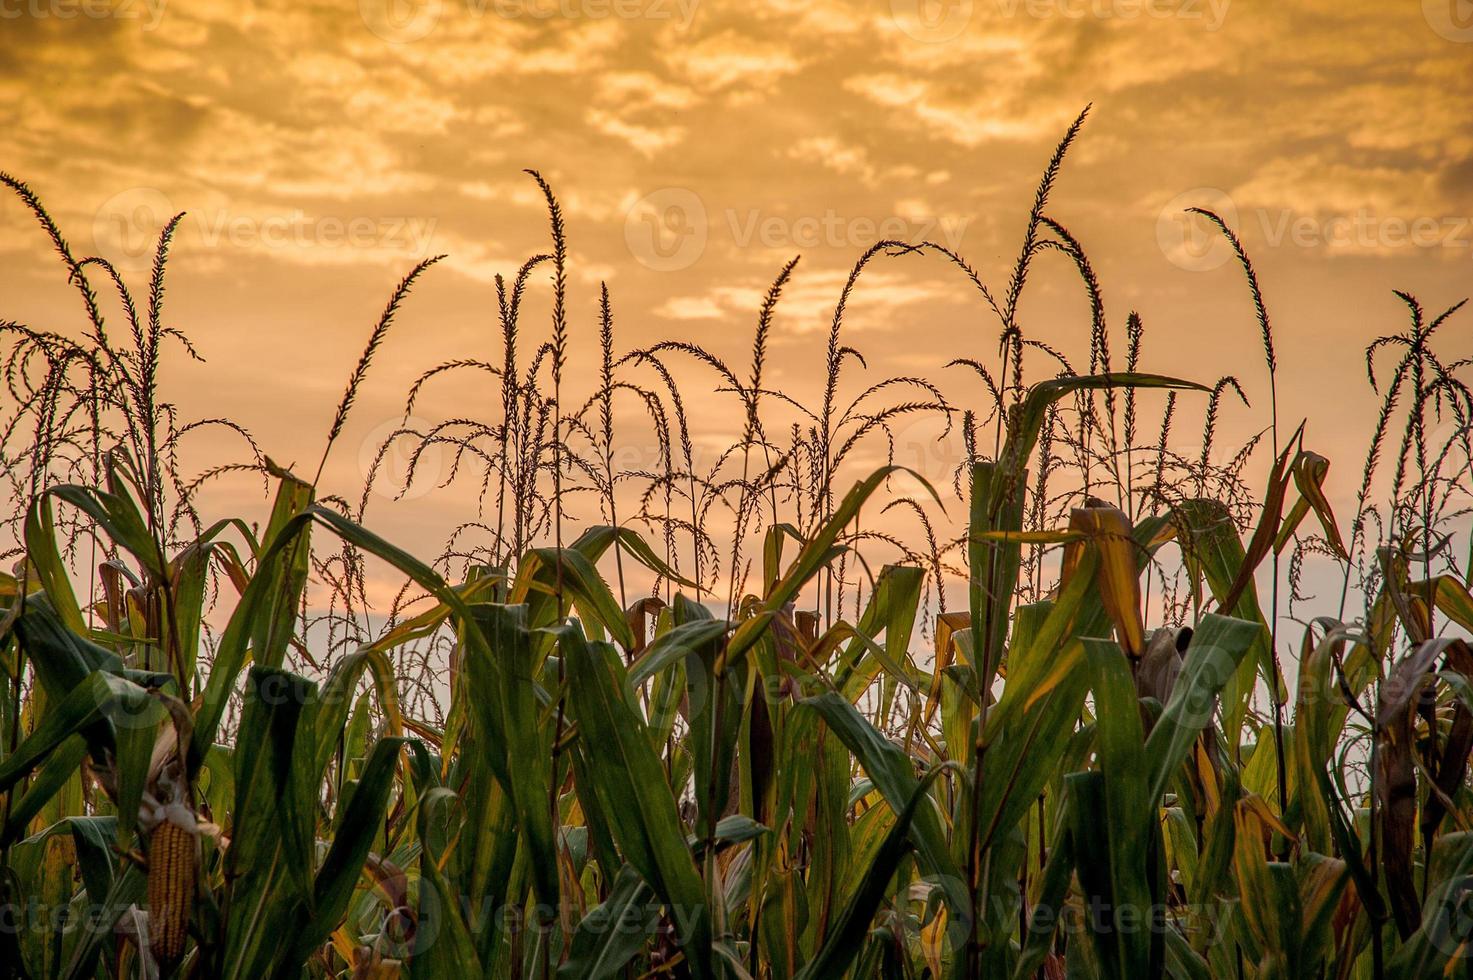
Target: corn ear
171,857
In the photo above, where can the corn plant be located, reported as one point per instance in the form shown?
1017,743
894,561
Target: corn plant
733,727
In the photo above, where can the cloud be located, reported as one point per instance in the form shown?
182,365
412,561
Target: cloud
645,140
827,151
635,107
951,114
807,304
734,63
787,109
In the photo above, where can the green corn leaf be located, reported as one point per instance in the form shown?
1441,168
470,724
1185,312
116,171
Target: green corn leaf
817,552
893,774
87,708
631,785
502,678
1219,644
846,938
613,933
1122,875
336,879
57,771
261,626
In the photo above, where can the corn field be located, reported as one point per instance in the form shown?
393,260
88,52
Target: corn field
722,718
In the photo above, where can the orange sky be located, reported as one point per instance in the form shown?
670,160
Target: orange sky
322,149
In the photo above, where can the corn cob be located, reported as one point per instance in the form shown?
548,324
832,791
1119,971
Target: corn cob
171,856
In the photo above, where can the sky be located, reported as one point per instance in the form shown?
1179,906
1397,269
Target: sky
321,150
